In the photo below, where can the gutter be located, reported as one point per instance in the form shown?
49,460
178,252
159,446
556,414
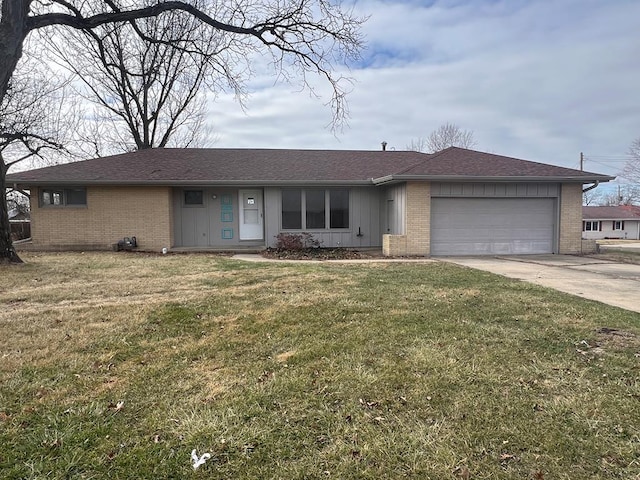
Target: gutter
192,183
496,179
585,190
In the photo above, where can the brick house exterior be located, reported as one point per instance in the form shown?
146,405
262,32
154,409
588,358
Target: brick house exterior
457,201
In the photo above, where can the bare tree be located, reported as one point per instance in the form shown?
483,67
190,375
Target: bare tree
299,37
591,197
447,135
145,95
34,118
631,170
624,195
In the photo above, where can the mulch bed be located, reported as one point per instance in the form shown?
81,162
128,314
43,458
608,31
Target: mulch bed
319,254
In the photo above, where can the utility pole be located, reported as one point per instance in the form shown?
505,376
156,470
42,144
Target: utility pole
581,162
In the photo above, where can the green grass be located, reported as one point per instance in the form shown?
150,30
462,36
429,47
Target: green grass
308,371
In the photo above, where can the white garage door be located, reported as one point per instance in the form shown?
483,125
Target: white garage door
492,226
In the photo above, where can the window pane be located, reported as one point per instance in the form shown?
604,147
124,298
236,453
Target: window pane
315,209
292,209
193,197
339,208
52,197
76,196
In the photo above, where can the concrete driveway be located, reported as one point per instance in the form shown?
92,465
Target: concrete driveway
609,282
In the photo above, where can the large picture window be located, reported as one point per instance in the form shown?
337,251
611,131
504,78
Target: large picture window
339,208
292,209
315,209
62,197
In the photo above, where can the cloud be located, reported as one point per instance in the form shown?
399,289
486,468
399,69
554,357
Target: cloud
538,80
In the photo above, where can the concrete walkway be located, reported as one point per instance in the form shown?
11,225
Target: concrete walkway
609,282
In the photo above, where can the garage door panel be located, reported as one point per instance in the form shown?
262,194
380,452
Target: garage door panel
490,226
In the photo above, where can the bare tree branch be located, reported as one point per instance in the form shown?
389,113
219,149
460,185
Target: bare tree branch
631,170
302,37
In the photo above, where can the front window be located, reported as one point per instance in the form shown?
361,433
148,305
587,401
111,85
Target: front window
315,209
60,197
292,209
618,225
339,208
591,226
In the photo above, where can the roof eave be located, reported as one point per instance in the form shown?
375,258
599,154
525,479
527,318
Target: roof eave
186,183
497,179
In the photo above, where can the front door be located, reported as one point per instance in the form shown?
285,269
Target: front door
251,217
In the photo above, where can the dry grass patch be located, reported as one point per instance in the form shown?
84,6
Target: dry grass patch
127,362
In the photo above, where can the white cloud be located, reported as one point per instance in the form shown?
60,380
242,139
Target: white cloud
538,80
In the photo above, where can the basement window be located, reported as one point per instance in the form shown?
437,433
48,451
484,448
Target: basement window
63,197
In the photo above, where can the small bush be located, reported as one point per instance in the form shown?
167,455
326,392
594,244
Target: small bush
296,241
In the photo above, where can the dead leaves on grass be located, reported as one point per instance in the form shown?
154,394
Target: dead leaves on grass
608,339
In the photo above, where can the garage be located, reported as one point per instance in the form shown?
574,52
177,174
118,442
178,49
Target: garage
492,226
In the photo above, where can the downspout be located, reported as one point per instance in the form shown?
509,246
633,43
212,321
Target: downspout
585,190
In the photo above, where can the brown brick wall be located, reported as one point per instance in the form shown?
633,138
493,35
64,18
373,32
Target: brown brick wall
111,214
570,218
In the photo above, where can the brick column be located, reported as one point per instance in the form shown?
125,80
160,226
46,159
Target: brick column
570,218
418,220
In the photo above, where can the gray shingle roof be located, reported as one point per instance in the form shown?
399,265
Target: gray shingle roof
166,166
455,161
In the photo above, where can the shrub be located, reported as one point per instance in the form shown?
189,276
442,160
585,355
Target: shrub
296,241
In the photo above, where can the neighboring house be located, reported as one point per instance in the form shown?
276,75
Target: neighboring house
455,202
20,224
621,222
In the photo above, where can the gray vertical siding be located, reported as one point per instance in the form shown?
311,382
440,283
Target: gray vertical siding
209,225
364,218
393,209
201,226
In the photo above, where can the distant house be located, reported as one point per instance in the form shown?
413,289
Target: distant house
455,202
20,224
617,222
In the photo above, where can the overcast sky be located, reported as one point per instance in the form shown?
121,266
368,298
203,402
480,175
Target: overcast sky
541,80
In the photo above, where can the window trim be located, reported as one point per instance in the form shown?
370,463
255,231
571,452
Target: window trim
327,210
591,224
64,193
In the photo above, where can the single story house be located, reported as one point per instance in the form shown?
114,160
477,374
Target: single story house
619,222
454,202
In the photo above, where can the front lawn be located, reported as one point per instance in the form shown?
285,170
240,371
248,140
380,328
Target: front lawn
119,365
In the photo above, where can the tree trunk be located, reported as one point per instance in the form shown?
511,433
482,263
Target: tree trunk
7,251
13,31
